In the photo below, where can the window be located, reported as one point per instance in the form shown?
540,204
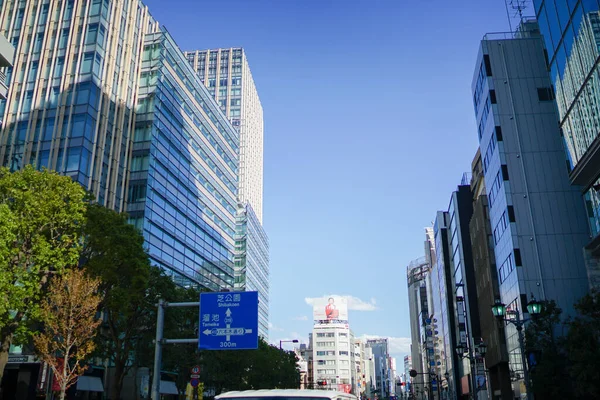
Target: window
518,261
488,65
493,96
511,214
499,133
343,353
140,163
73,157
86,63
92,34
504,169
545,94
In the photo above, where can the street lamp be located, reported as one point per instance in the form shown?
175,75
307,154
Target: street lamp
534,308
479,350
286,341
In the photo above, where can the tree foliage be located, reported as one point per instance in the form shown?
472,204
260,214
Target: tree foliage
268,367
114,252
583,348
41,214
546,355
68,314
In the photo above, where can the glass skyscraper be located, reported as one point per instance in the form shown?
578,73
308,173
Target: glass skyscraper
226,74
184,165
571,30
101,93
252,262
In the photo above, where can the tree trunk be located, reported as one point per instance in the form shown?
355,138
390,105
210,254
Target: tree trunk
118,379
6,338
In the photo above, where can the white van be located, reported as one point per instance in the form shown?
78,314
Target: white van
286,394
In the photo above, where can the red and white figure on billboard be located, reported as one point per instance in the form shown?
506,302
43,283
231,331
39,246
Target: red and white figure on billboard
330,308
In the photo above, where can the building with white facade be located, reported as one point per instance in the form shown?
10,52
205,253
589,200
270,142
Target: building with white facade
7,53
226,74
360,383
370,380
333,360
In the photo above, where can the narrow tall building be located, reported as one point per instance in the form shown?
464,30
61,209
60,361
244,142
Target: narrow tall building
226,74
538,221
7,53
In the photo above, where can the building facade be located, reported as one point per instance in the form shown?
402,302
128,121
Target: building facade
226,73
420,313
572,39
487,287
538,223
252,262
381,355
7,55
183,183
227,76
333,356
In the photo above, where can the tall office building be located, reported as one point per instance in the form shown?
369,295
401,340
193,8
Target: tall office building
381,355
252,262
226,74
537,219
421,345
100,94
572,37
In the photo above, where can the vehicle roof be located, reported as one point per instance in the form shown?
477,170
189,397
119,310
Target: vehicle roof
282,393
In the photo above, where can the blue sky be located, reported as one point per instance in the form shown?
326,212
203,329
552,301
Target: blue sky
369,127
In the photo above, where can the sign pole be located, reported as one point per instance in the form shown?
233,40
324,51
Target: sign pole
160,321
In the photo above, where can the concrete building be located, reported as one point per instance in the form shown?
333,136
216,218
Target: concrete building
537,219
333,360
381,355
570,31
370,378
226,73
419,312
252,262
7,53
360,382
487,287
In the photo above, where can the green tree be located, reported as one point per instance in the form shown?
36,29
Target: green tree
268,367
548,371
70,325
583,347
41,214
114,252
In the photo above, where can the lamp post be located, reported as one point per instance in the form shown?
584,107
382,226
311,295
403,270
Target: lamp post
286,341
534,308
478,350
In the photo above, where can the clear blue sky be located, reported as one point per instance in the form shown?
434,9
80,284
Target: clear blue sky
368,128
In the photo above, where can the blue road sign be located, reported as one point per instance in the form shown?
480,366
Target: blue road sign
228,321
194,382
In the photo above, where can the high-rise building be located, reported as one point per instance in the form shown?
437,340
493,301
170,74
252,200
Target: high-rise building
537,219
419,312
381,355
183,179
97,92
7,53
226,73
486,285
252,262
360,383
572,38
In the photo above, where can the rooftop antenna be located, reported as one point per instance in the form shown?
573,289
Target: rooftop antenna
515,7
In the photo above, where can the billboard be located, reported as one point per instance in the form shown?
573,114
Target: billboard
330,308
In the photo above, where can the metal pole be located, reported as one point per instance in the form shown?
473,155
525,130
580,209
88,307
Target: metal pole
160,321
519,325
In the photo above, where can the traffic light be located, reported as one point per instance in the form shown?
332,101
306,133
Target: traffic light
322,383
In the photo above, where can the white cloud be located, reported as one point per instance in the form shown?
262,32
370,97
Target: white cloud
274,328
354,303
301,318
398,345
